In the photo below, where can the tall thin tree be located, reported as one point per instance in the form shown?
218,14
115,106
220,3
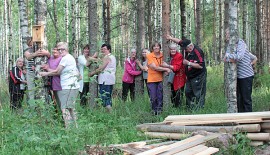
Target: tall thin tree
93,29
231,68
165,46
140,42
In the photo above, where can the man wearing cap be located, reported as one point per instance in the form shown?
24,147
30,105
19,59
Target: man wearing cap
196,73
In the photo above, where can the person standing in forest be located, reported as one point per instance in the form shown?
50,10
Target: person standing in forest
245,73
16,84
130,72
106,76
69,75
30,65
155,78
84,61
53,63
179,80
145,71
196,73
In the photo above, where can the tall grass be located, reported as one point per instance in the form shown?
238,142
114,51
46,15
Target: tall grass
37,129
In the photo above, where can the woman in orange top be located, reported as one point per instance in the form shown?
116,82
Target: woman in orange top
155,77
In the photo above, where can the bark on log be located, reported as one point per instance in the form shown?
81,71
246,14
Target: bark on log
256,143
265,125
164,135
224,116
259,136
208,122
186,129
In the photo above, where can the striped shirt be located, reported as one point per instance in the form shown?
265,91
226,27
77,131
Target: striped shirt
31,62
243,58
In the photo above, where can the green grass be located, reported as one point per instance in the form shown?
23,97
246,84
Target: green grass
41,131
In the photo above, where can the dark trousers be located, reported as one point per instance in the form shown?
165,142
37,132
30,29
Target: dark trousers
156,96
177,96
244,91
128,87
105,93
16,99
83,94
195,92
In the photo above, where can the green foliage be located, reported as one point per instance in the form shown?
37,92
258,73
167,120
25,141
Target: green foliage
38,129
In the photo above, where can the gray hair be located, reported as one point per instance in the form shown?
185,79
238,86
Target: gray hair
133,50
19,59
173,46
64,44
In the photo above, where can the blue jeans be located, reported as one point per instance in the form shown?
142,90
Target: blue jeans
105,93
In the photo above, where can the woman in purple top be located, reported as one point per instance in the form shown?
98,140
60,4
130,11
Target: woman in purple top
53,63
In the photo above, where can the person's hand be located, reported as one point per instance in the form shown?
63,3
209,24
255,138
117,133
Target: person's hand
145,68
137,61
95,55
45,66
43,73
33,68
168,37
185,62
164,64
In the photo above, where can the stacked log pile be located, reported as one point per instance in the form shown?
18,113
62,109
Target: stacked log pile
256,125
194,145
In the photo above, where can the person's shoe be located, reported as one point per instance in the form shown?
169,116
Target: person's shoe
109,108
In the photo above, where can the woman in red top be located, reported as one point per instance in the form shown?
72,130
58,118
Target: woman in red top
179,80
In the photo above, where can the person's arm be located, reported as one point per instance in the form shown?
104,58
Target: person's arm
30,56
240,52
17,76
105,62
176,40
158,68
130,70
253,58
192,64
57,71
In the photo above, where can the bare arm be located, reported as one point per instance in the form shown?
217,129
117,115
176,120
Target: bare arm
158,68
105,62
57,71
176,40
30,56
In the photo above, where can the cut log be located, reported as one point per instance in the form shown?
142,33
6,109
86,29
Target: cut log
193,150
222,122
224,116
259,136
168,147
190,144
166,135
265,125
208,151
266,130
187,129
256,143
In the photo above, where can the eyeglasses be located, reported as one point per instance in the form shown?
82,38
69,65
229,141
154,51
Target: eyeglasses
61,49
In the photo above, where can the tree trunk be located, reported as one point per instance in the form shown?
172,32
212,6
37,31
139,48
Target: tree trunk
183,18
10,51
6,55
231,68
165,46
220,33
40,19
93,29
56,21
214,42
244,8
67,20
150,6
259,38
139,87
197,15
